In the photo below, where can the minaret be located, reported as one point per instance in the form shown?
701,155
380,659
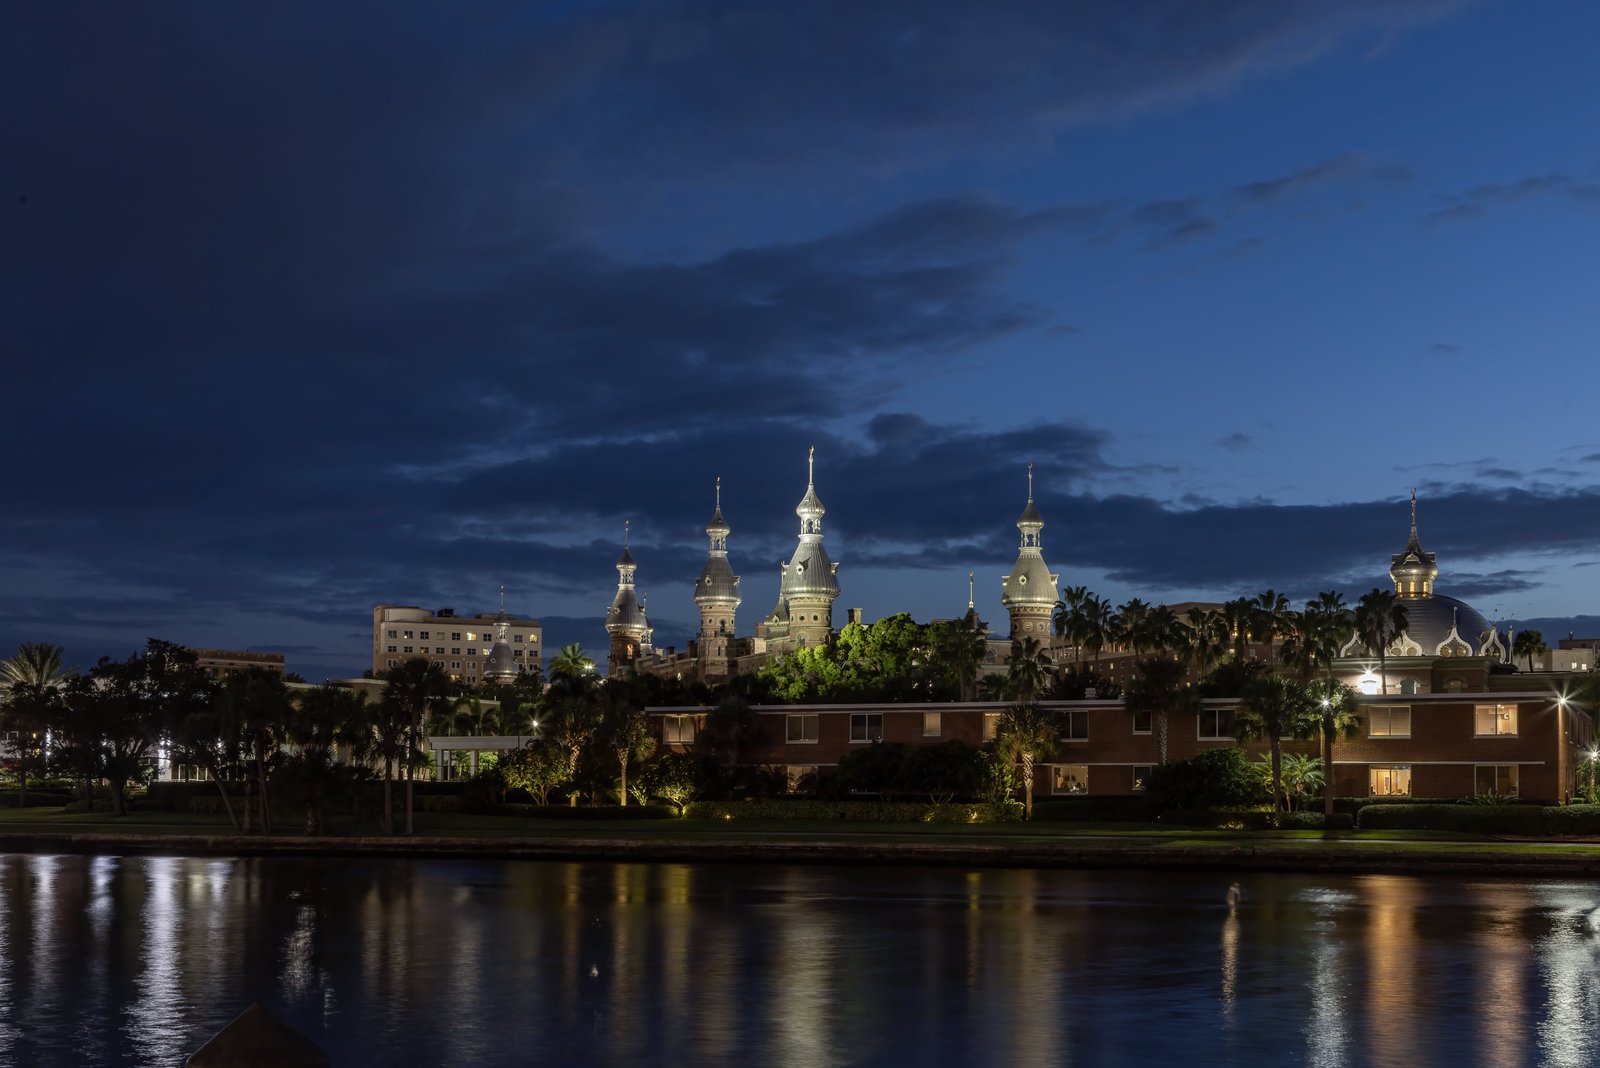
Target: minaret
1030,590
717,593
1413,571
808,583
625,619
500,666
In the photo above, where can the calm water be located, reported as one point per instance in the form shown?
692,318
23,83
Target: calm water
137,960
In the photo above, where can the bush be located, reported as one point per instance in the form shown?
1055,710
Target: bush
1134,809
1572,819
1473,819
588,812
1217,778
1354,805
37,798
1259,819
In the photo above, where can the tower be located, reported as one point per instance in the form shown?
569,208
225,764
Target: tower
501,667
1413,570
1030,590
625,619
808,583
716,592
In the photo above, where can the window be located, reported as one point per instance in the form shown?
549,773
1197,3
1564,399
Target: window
471,637
1075,725
392,634
455,651
800,729
1494,720
407,649
866,727
517,638
406,635
393,649
1141,775
438,650
1496,778
1215,723
800,778
456,664
677,730
423,635
1069,778
932,724
1455,685
1390,780
1389,721
991,725
517,654
1141,722
394,663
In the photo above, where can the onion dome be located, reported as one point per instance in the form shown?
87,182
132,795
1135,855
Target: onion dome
1030,584
809,573
501,664
717,583
626,614
1413,570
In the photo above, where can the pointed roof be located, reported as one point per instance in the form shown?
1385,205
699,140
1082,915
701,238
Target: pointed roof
1030,514
718,525
810,506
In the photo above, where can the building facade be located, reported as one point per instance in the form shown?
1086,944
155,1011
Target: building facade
464,646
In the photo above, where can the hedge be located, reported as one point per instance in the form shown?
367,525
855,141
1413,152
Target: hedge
1474,819
873,811
1135,809
1258,819
585,812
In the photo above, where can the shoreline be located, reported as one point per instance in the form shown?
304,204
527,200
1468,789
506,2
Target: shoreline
1288,857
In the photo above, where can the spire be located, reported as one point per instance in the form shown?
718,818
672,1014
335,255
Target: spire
970,604
502,598
1031,522
1030,589
810,508
1413,570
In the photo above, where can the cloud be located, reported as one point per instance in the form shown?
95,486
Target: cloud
1476,201
1339,168
1237,441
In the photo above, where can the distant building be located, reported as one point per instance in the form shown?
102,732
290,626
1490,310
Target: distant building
219,663
464,646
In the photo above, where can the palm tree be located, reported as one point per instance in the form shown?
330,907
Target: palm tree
1530,643
571,663
1068,618
1100,625
1334,704
256,701
1024,735
1271,611
1380,618
730,725
1204,638
961,649
29,709
1156,690
412,687
1132,623
1333,627
1027,671
628,736
320,720
35,664
1272,707
1238,616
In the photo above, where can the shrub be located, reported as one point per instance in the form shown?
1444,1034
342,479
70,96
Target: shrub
588,812
1572,819
1474,819
874,769
1133,809
1217,778
873,811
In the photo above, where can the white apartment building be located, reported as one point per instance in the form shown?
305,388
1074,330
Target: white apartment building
459,644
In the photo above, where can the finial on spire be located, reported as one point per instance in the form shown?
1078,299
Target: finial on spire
1030,482
625,524
969,591
719,493
1413,508
811,466
502,598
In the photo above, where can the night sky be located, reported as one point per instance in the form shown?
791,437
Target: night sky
307,307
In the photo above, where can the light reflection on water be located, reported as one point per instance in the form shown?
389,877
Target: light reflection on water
138,960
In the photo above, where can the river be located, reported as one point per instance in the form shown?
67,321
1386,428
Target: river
138,960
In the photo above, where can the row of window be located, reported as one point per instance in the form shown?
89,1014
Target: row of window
455,636
438,650
1213,724
1394,780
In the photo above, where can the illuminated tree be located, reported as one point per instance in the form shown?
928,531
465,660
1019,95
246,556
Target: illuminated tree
1273,707
1025,735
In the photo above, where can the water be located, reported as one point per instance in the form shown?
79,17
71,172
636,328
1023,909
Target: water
138,960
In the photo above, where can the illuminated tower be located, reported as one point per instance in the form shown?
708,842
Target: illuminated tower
1413,570
716,591
1030,590
625,619
501,666
809,585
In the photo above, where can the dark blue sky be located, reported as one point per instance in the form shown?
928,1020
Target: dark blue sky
306,307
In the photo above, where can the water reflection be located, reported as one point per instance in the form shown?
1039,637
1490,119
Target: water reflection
138,960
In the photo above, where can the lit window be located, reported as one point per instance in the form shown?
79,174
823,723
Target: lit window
1389,780
799,777
800,729
1389,721
1069,778
406,635
866,727
1141,775
677,730
1496,778
471,637
991,725
1494,720
1215,724
932,724
1075,725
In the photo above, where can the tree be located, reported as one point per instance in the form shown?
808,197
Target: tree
676,778
571,722
1334,705
1157,690
538,767
1529,644
1099,624
1273,707
1271,611
960,649
571,666
1027,671
1069,617
35,664
411,687
29,710
316,724
1302,776
628,737
1380,618
1203,640
1024,735
256,702
731,725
